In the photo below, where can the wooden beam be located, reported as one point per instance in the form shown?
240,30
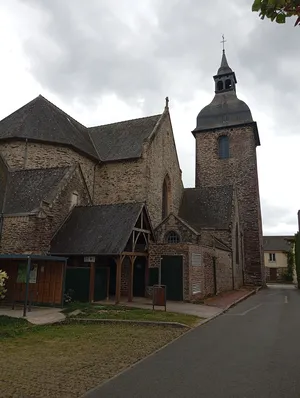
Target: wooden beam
146,231
92,282
137,254
130,282
118,279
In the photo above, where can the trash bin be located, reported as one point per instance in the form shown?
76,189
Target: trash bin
159,296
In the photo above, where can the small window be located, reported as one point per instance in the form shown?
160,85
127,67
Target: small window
228,84
173,237
74,199
223,147
272,257
220,85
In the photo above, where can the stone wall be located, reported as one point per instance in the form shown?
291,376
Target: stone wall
30,155
239,170
156,251
223,272
120,182
33,233
173,224
161,161
198,277
142,179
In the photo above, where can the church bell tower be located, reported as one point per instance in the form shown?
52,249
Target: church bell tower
226,141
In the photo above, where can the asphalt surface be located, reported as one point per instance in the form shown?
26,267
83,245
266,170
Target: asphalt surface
252,351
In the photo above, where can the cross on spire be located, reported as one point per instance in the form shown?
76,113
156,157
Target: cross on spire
223,42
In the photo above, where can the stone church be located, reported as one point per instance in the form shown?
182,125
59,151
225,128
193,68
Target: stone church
110,200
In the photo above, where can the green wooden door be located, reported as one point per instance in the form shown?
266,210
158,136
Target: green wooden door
101,279
172,277
78,280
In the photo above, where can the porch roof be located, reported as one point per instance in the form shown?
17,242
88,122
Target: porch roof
97,230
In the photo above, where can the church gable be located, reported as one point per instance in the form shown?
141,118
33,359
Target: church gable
174,230
163,173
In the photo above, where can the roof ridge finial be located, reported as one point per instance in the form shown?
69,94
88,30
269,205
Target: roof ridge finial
167,103
223,42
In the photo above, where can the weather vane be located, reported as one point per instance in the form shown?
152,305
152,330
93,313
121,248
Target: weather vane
223,42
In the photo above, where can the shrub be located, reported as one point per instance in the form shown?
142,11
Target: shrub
3,279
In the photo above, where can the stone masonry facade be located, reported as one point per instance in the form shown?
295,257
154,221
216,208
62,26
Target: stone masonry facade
240,170
33,233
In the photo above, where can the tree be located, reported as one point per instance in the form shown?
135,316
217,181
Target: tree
278,10
3,278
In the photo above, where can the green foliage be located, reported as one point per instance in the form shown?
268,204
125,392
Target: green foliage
3,279
278,10
290,266
297,257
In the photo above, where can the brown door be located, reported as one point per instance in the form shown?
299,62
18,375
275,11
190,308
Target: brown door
273,274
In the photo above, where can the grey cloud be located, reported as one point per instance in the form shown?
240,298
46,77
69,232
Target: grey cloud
274,215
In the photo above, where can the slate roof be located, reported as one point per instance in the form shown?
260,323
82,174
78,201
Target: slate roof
123,140
40,120
207,207
97,230
27,188
224,110
277,243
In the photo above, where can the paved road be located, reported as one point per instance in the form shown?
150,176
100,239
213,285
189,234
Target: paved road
252,351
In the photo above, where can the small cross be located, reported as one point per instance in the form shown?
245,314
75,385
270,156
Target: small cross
223,42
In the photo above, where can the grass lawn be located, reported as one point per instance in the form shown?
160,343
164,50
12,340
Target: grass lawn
94,311
68,360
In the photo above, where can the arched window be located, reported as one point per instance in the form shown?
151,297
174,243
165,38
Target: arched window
220,85
223,147
172,237
228,84
166,197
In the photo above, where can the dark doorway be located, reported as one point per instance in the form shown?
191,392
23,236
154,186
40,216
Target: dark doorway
101,279
273,274
139,277
78,280
172,277
112,277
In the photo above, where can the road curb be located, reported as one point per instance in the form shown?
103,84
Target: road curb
127,321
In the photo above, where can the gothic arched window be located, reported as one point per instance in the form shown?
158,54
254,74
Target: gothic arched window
172,237
223,147
166,197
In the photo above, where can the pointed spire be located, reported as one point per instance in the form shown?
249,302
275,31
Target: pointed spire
224,68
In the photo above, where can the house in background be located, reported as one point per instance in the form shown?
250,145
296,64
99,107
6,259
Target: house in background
276,249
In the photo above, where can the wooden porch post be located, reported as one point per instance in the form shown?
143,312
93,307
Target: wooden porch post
130,284
92,282
118,279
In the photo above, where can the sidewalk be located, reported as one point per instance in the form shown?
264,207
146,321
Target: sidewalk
37,316
211,308
223,300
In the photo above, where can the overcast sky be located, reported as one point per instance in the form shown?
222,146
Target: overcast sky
109,60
